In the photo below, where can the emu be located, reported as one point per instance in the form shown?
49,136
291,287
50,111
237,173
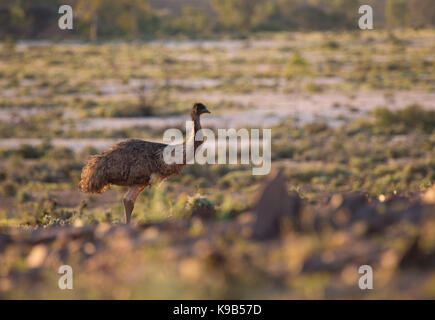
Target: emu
136,164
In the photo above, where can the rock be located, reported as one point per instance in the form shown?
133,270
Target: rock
417,257
429,196
351,202
274,204
421,253
317,263
122,237
37,256
54,234
5,239
102,230
345,207
376,215
295,210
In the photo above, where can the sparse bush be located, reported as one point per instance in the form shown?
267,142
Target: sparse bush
297,65
313,87
331,44
58,153
410,118
55,218
23,196
28,152
9,189
129,110
3,175
201,207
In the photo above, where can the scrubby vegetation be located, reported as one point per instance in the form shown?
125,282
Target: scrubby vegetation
377,155
353,129
206,18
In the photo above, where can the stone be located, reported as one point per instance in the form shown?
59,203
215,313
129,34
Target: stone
273,205
37,256
429,196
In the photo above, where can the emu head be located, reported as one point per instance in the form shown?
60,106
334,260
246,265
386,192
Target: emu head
198,109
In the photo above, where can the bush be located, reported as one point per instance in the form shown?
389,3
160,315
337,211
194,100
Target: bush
28,152
297,65
58,153
23,197
3,175
331,44
315,127
201,207
413,116
9,189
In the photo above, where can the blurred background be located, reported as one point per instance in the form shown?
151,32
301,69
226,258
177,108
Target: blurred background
352,114
149,19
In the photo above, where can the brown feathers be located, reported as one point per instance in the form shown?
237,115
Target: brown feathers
132,162
127,163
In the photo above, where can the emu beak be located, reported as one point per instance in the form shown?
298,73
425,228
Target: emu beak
206,111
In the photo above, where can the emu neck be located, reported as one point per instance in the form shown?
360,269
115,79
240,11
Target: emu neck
192,135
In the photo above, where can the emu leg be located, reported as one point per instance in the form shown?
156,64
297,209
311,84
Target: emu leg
129,200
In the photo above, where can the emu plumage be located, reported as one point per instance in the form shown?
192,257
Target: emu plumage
134,163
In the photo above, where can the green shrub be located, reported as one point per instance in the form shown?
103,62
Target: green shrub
201,207
315,127
59,153
28,152
297,65
411,117
24,196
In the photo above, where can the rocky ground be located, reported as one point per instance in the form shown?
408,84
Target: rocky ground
285,248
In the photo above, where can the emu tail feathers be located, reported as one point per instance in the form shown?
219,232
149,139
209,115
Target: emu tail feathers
94,178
